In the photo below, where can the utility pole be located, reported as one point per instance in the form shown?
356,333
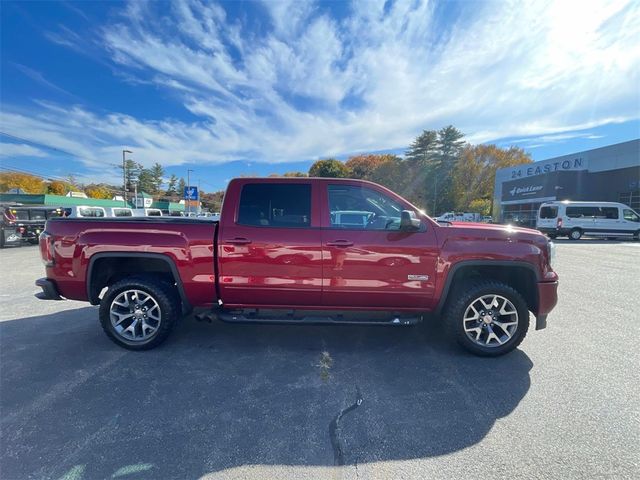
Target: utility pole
124,176
188,187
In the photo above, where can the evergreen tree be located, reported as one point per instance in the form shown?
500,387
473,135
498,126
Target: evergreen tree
181,186
172,185
157,174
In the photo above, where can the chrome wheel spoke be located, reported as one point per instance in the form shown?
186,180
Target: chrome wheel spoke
135,315
490,320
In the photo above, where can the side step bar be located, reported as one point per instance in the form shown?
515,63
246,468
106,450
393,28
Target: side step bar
241,317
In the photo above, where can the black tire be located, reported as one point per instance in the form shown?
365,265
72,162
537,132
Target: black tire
636,235
164,295
552,236
2,238
464,296
575,234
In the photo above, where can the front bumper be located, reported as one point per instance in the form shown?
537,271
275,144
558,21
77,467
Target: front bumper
547,300
49,290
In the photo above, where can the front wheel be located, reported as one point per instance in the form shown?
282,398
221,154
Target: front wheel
139,313
487,318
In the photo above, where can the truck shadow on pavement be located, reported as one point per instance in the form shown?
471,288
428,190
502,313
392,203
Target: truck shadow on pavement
217,397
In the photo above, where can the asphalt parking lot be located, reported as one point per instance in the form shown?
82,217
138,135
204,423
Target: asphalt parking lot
250,401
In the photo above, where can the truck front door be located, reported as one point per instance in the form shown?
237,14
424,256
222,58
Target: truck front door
269,248
368,260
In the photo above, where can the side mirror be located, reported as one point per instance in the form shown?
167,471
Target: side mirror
408,223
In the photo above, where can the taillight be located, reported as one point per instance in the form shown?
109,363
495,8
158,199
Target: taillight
46,249
559,223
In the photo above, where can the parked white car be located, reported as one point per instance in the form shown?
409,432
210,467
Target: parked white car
459,217
575,219
84,211
147,212
119,212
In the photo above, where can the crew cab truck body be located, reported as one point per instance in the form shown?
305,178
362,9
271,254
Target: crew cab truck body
291,250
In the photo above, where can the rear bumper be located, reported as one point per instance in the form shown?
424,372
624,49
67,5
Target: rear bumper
49,290
547,300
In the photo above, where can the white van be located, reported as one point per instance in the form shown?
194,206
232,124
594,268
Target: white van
147,212
574,219
119,212
84,211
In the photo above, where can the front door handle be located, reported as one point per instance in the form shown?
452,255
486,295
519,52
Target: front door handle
238,241
340,243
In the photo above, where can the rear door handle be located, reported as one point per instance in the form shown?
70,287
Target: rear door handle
340,243
239,241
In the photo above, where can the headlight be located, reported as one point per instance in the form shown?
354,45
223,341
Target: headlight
551,252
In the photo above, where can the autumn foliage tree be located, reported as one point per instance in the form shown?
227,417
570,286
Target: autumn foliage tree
25,182
98,191
58,187
329,167
474,176
364,166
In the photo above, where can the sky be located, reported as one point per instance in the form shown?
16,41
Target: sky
253,88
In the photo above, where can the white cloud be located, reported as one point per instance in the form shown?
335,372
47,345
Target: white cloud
307,85
20,150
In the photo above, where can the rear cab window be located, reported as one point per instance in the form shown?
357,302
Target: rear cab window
279,205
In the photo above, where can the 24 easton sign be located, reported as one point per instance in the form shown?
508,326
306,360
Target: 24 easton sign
533,169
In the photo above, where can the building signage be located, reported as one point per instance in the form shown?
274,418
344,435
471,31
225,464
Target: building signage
533,169
524,191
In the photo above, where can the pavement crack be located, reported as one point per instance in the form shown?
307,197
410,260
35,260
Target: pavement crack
334,429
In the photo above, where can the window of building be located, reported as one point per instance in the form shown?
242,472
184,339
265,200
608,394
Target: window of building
631,199
286,205
122,212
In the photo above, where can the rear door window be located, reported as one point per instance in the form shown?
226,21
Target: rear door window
608,213
548,212
275,205
581,212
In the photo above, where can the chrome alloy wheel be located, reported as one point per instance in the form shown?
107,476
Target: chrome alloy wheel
490,320
135,315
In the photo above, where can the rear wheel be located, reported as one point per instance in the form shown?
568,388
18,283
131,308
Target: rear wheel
576,234
139,313
487,318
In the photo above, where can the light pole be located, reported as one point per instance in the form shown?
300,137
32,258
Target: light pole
188,190
124,176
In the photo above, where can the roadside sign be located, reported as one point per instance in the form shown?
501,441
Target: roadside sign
190,193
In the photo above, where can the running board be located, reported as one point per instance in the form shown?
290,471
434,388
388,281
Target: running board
291,318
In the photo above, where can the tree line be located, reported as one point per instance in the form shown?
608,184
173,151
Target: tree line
439,172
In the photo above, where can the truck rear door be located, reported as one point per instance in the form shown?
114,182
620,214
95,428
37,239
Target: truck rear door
370,262
269,244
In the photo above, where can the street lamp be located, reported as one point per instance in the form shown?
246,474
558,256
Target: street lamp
188,189
124,176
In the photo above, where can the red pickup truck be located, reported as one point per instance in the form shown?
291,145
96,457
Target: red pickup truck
310,250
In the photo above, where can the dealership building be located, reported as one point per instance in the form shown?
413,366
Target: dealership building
609,174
